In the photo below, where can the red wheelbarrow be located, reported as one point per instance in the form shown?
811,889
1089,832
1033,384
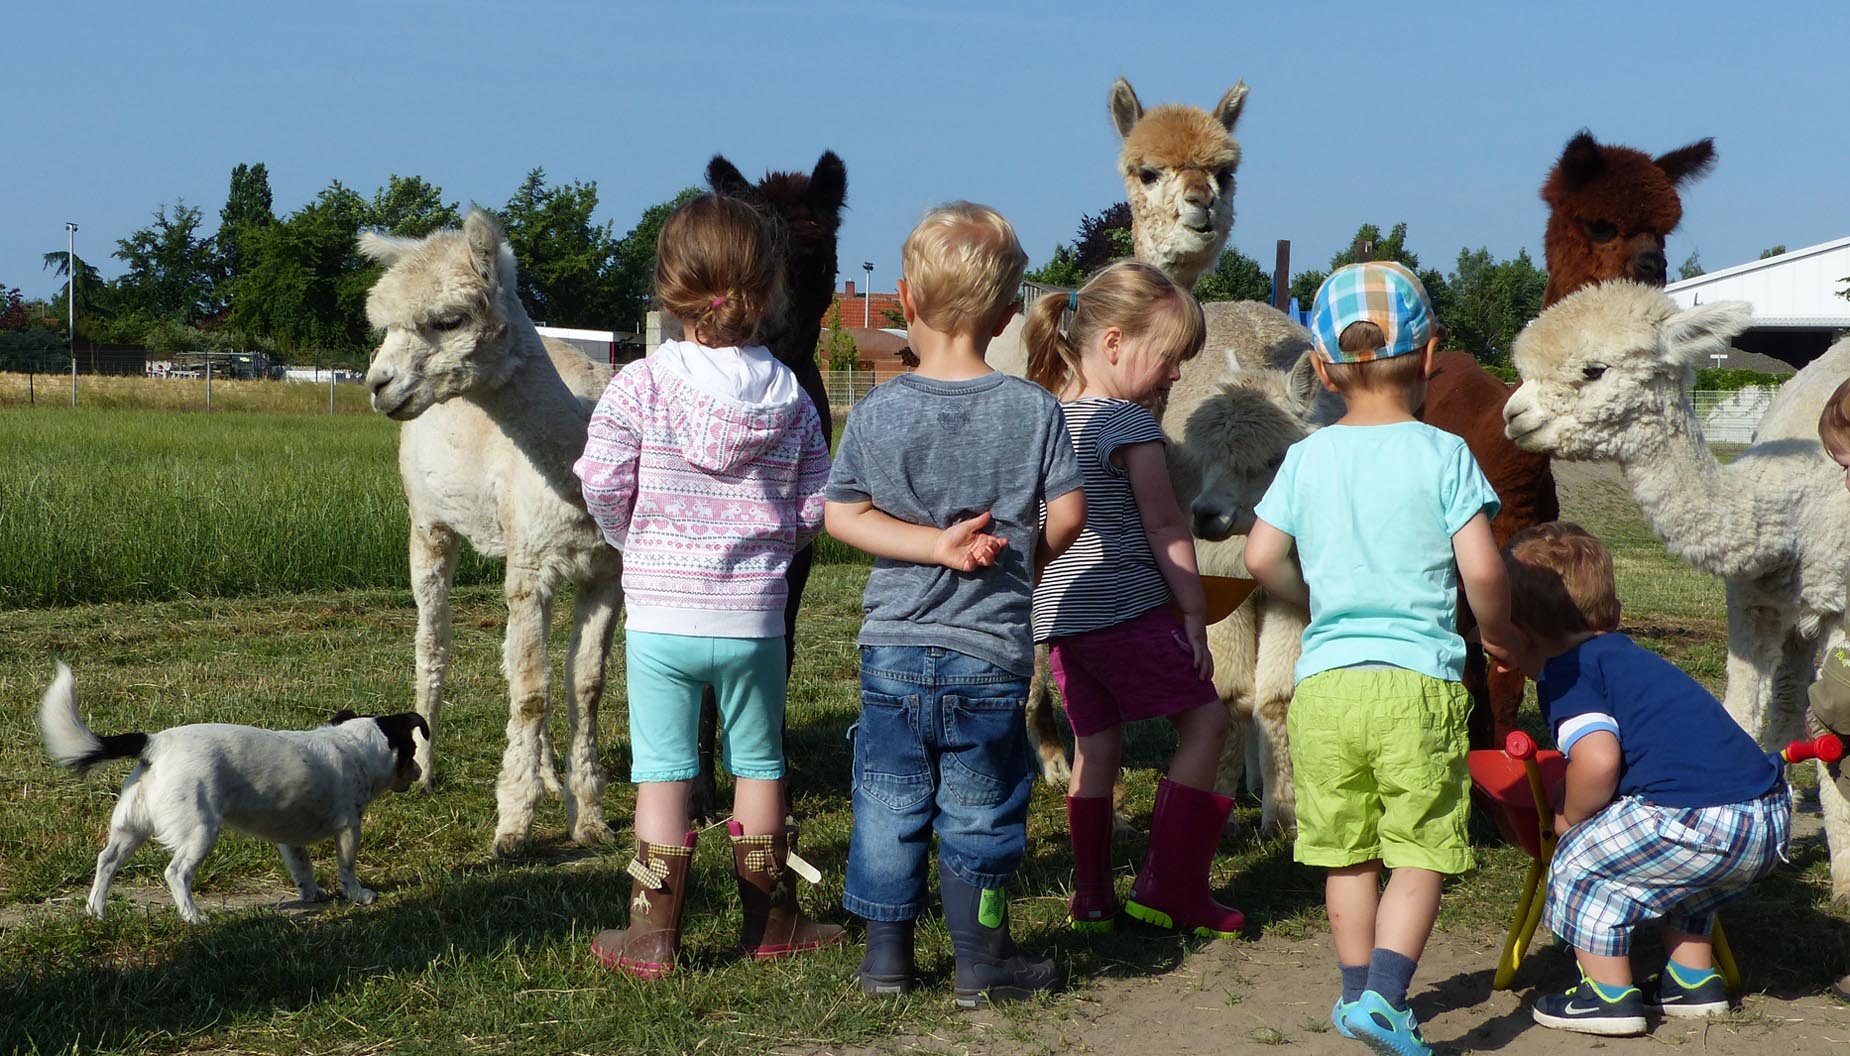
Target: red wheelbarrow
1521,787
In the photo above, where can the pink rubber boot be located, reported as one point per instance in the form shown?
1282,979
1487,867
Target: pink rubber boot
1094,905
1172,887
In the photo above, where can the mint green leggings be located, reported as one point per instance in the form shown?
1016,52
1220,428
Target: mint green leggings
666,674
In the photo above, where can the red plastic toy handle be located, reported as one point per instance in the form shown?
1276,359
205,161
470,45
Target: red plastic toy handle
1827,749
1520,745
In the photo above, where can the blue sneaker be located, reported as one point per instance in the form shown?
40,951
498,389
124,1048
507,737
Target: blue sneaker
1337,1013
1667,995
1382,1027
1582,1009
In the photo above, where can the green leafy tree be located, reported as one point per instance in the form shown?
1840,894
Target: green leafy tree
566,259
1773,250
837,343
304,288
171,268
632,281
95,301
13,314
411,206
248,207
895,319
1487,301
1102,238
1062,269
1235,277
1691,266
1304,287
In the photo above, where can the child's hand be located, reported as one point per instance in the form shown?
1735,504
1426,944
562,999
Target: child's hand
1195,626
965,547
1561,825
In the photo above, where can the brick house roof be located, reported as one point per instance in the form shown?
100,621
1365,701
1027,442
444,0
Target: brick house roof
854,307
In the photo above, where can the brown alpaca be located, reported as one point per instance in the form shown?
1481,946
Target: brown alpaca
1610,209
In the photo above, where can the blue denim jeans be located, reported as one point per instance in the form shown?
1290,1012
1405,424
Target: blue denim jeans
941,744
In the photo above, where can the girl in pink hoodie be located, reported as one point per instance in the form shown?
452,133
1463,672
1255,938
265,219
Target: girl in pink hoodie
705,465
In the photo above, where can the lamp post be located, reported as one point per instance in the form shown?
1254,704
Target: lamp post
70,297
867,317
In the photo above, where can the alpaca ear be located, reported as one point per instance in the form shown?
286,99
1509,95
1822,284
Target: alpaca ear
1581,163
384,248
1126,111
1302,386
484,234
828,184
1688,163
1227,111
1693,334
726,179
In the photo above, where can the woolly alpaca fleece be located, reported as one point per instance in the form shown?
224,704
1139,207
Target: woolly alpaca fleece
1606,374
1610,209
1178,164
493,421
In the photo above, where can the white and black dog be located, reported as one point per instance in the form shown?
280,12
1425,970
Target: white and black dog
291,787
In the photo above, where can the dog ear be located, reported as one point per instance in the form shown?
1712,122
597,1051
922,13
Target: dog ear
398,733
342,716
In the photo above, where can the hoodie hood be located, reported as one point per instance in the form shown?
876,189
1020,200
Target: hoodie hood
728,404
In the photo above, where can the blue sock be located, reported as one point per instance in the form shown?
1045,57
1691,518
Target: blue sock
1389,974
1605,993
1689,978
1355,980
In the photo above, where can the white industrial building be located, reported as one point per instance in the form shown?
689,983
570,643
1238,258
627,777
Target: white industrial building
1797,307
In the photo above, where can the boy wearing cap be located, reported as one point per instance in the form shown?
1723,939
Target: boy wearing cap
1373,522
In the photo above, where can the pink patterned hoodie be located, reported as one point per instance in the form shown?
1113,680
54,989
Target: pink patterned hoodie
706,467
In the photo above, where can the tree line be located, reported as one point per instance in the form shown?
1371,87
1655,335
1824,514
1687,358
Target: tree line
1483,301
296,285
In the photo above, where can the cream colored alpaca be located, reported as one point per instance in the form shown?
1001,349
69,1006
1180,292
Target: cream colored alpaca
493,421
1606,375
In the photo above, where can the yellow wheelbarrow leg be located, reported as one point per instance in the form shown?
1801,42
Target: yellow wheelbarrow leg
1517,942
1724,959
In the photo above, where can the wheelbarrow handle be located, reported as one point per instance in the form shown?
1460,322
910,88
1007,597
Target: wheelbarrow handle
1519,745
1826,749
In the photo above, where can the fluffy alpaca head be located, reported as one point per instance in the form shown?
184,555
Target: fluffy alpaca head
1235,440
445,303
806,209
1178,163
1610,209
1604,372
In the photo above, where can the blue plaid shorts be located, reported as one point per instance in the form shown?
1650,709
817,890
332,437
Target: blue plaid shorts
1637,861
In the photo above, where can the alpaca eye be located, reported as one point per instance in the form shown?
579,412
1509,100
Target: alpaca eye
1593,372
1600,230
1225,178
450,323
1148,176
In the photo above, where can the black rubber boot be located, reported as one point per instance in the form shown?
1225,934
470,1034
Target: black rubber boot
887,970
989,966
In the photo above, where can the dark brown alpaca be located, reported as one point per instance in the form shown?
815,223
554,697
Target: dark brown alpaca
1610,209
806,210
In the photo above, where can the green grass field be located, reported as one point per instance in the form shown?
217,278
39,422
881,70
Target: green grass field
464,952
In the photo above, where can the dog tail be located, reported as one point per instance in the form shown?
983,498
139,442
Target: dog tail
68,741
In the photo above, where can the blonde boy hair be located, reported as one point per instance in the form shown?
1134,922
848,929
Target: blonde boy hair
1561,581
963,267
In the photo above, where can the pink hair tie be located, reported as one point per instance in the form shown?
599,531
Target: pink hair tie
717,301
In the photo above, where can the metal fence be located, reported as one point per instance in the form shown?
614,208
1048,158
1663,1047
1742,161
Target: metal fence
1729,417
849,387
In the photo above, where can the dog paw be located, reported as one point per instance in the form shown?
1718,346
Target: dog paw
312,895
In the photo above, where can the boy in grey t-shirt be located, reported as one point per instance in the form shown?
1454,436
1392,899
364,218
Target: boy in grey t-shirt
941,475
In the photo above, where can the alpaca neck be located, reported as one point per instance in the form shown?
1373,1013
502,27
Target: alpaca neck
1704,513
1183,268
536,409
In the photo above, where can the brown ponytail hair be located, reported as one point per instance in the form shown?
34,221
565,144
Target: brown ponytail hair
1133,297
716,269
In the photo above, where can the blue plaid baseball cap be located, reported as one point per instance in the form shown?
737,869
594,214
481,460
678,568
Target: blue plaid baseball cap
1380,292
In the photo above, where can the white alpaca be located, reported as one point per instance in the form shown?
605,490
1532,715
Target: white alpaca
1606,374
493,421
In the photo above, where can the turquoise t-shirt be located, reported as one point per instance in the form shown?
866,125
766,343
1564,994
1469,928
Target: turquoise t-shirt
1373,510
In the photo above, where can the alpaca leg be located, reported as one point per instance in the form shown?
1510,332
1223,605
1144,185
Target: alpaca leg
1787,703
1043,730
524,662
1756,643
433,565
1836,833
594,620
1281,635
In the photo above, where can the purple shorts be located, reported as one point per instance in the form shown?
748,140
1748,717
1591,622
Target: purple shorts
1139,669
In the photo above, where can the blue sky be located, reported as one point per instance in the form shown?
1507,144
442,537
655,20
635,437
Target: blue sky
1446,116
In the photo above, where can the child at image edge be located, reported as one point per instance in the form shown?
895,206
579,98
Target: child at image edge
942,475
1671,809
1119,652
1387,516
705,464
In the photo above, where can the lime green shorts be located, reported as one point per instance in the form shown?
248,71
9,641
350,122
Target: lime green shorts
1378,758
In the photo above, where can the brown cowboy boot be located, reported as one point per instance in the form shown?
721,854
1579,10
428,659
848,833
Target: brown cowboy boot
647,948
774,924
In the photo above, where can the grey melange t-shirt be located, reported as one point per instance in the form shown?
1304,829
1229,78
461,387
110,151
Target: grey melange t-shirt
934,453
